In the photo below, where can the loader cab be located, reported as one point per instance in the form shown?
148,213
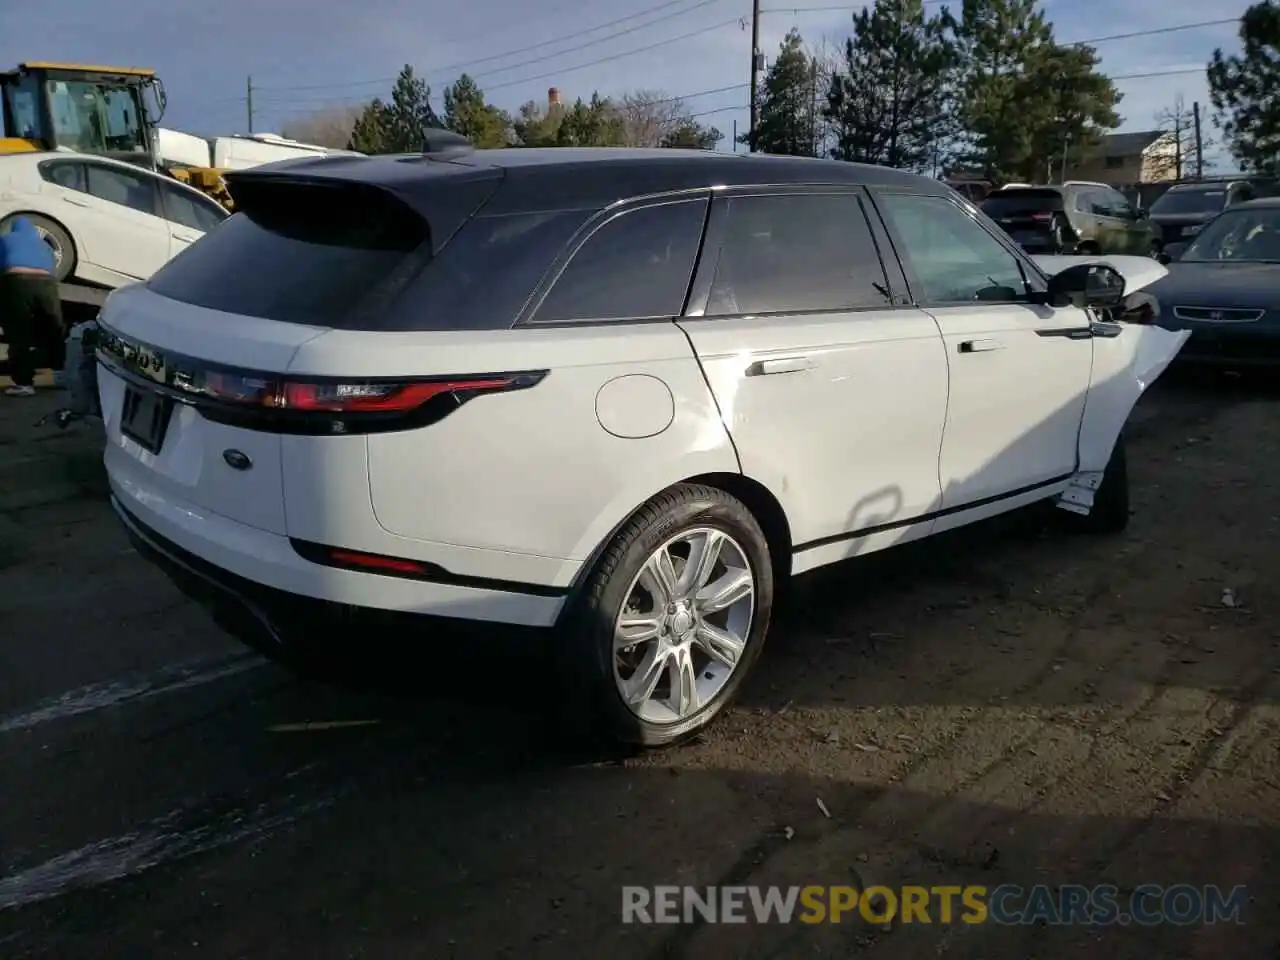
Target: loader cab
87,109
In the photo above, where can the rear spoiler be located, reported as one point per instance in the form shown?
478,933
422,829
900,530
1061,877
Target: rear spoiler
402,190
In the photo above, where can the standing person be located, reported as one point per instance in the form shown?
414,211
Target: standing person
30,308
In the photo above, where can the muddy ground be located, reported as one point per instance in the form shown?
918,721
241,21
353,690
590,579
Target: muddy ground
1008,705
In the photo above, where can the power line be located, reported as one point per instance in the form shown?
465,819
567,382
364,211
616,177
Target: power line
525,49
593,63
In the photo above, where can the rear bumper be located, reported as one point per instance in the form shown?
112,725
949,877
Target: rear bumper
260,580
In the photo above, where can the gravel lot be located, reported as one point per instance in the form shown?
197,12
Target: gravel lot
1005,705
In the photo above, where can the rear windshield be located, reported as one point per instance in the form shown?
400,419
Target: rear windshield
1190,201
308,256
1006,202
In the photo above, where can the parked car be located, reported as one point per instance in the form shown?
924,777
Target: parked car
108,222
620,394
1074,218
1184,208
1224,288
975,191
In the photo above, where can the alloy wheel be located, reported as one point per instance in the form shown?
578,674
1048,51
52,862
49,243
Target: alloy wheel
684,625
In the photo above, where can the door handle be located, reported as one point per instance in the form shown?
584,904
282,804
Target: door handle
781,365
75,202
980,346
184,238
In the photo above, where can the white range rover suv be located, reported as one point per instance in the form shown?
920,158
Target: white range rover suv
617,394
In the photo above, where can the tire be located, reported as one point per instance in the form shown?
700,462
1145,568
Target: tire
1110,513
596,672
56,236
1087,249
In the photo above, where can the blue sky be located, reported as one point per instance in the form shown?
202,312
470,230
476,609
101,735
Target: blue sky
304,55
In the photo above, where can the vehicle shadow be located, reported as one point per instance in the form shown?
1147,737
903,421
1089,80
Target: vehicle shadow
421,862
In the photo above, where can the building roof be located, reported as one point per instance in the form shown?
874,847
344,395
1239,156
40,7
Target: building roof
1129,144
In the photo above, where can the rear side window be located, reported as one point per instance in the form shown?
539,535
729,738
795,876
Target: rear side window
137,191
1010,202
635,266
300,253
188,211
793,254
65,174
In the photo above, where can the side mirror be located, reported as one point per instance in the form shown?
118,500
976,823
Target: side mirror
1087,285
1170,253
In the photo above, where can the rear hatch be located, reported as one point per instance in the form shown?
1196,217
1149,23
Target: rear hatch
193,381
1027,214
1181,213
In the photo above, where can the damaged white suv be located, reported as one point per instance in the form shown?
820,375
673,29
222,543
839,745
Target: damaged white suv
618,394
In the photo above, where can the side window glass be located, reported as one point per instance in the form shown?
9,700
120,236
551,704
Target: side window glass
636,266
64,174
954,259
1119,204
790,254
186,210
137,191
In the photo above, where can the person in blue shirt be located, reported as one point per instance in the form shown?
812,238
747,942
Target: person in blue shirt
30,307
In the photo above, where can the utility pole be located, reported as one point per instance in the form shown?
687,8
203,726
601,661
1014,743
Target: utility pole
735,134
1199,141
757,58
248,100
813,106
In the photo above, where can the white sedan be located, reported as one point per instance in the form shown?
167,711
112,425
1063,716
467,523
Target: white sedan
109,222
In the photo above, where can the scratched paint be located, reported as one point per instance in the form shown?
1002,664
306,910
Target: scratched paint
174,836
99,696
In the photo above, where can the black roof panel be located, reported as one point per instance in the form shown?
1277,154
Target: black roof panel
551,178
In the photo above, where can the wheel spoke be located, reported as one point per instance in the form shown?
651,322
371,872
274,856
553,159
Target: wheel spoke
639,687
719,644
635,629
684,682
704,551
659,578
725,592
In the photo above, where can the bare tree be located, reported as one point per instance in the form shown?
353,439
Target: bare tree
327,127
1178,123
649,117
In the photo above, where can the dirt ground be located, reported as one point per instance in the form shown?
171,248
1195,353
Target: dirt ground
1007,705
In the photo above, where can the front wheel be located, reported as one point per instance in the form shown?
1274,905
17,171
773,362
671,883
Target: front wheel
671,620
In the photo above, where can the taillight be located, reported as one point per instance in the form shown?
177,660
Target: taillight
1042,217
325,405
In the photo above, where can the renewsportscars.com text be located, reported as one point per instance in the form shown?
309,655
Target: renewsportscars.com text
1068,904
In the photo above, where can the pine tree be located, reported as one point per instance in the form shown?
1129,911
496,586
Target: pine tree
1244,90
786,95
467,112
890,102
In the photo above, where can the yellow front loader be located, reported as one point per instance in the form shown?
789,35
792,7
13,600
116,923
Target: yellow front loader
108,111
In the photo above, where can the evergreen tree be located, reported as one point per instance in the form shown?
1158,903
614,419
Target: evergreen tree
1022,95
467,112
692,135
400,125
1245,91
890,102
593,124
786,99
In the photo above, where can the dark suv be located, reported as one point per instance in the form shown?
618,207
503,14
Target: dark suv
1074,218
1186,207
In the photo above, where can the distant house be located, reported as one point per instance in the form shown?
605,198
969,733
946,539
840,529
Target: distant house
1129,158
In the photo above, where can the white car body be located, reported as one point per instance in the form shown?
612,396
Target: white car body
883,426
124,222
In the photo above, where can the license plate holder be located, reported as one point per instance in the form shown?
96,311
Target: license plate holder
144,417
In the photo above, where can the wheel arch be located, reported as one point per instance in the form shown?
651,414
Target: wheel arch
75,244
753,494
